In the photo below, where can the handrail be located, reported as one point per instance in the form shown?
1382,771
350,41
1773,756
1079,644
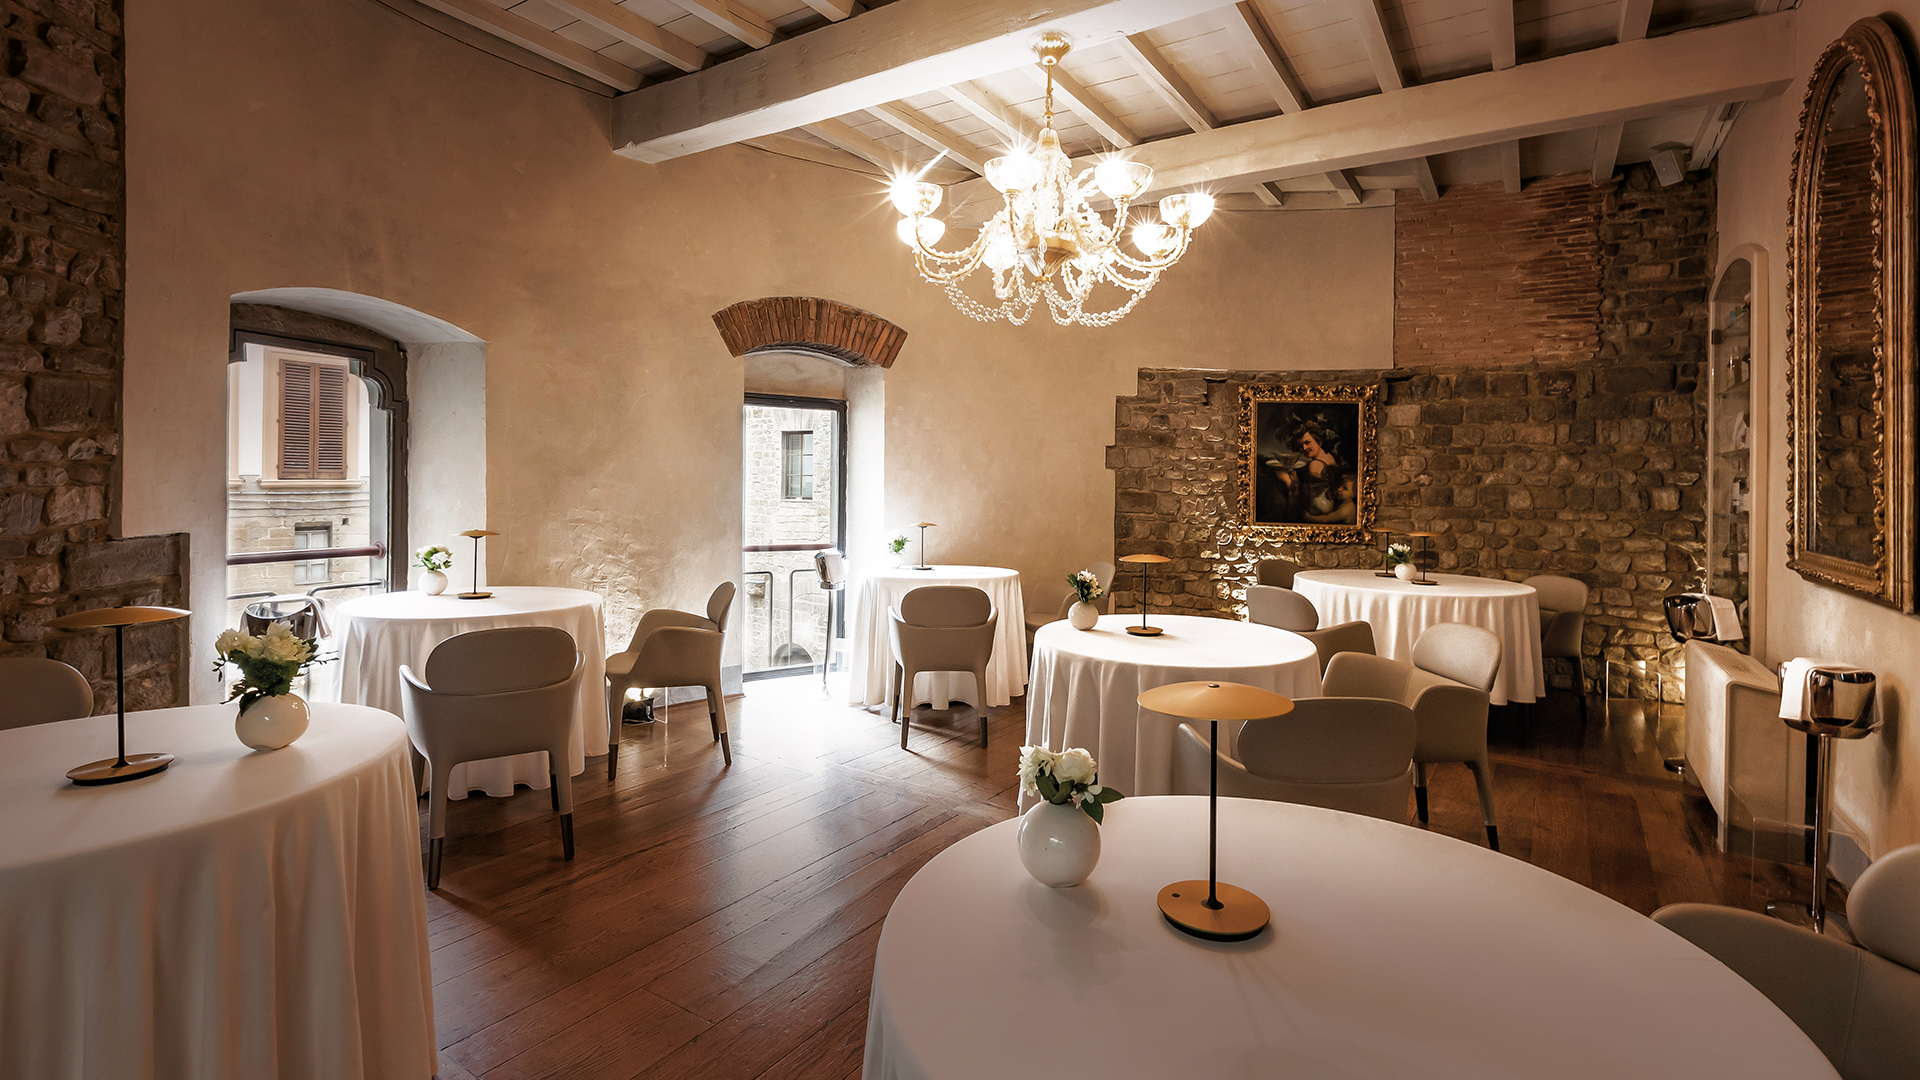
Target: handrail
260,558
750,548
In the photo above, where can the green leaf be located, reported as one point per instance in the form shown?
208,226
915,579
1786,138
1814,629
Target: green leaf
1049,788
1108,795
1093,809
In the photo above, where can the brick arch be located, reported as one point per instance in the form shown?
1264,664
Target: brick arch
810,324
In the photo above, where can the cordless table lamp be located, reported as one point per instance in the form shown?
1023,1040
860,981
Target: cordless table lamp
476,594
923,526
119,768
1226,912
1143,562
1424,558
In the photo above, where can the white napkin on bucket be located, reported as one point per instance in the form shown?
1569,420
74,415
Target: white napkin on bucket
1793,682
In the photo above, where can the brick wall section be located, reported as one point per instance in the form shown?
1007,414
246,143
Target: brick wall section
1462,299
1590,467
62,258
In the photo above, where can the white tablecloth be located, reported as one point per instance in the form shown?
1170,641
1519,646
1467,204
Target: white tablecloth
1086,682
1400,611
872,649
1393,953
385,631
241,915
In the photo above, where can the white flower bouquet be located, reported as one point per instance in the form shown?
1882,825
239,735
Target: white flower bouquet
1086,586
898,543
433,558
1398,554
1071,776
268,663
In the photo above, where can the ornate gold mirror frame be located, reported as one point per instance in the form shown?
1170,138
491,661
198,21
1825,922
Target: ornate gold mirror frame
1850,472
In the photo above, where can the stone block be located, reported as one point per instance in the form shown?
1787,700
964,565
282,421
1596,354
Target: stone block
46,69
68,505
118,563
59,403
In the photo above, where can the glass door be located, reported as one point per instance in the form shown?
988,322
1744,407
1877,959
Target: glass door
794,488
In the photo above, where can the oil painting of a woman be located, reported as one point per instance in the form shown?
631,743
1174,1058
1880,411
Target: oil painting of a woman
1305,461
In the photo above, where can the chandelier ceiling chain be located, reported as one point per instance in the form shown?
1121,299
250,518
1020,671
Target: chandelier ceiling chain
1047,244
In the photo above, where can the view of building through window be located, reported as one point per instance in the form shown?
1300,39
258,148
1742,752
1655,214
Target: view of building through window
792,489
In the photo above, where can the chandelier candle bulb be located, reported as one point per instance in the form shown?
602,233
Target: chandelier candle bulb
925,230
915,198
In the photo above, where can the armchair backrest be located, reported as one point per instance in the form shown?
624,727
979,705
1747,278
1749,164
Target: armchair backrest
1276,572
720,605
1330,641
1331,740
37,690
1884,907
1273,605
678,656
946,605
1465,654
1559,593
1103,571
1362,675
497,661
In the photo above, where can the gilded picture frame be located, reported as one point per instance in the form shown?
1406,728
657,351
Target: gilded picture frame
1851,364
1308,459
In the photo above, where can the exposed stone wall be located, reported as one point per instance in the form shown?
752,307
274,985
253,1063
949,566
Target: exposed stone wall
1589,467
62,258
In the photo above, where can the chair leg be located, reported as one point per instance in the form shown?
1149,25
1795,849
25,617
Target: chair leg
435,848
613,754
980,687
566,834
1483,778
437,819
553,789
893,694
717,716
1420,790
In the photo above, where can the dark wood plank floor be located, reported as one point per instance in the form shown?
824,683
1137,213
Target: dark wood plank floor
720,922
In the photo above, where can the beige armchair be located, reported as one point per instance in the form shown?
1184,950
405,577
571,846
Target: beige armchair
1446,687
1038,619
1563,617
940,628
36,690
1354,637
1274,605
1278,572
673,648
1352,754
488,694
1859,1005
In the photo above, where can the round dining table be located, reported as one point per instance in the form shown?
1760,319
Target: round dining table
1085,685
1399,611
870,654
385,631
241,914
1392,953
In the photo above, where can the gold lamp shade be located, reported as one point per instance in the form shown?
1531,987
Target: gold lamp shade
476,594
1144,561
120,767
1221,912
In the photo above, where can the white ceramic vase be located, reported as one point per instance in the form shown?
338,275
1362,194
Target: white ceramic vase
1404,571
272,722
433,583
1059,844
1083,616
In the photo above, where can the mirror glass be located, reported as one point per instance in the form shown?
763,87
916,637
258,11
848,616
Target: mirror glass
1848,336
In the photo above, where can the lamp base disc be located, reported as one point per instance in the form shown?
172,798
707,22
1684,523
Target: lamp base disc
922,568
1385,573
1417,581
1240,916
473,595
1145,631
105,771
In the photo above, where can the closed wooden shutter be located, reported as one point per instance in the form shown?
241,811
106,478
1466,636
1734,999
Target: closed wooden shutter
313,421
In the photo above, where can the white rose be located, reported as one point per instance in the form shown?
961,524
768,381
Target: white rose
228,641
1074,766
1031,760
281,646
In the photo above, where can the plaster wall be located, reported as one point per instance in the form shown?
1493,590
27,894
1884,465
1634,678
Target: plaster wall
336,144
1877,783
447,452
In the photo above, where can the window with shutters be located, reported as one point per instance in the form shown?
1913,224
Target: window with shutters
313,420
796,464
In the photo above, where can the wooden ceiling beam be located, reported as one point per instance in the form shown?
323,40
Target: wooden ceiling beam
1606,150
846,138
1270,195
1713,133
1500,29
1154,68
744,25
1510,178
997,116
1086,106
1345,187
920,129
788,146
1423,179
1635,15
537,39
1373,34
1735,61
1250,35
611,18
836,9
889,53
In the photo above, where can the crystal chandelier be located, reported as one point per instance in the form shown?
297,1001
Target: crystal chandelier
1048,243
